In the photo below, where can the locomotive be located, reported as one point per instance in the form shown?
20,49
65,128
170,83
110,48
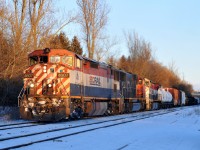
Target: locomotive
60,84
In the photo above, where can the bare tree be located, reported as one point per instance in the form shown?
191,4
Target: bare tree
145,65
29,24
38,10
93,19
43,25
140,54
138,47
2,9
106,48
24,26
111,61
15,19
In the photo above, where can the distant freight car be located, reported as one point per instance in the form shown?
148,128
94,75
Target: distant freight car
183,98
176,96
165,97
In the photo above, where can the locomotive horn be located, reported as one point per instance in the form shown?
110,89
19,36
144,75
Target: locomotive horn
46,50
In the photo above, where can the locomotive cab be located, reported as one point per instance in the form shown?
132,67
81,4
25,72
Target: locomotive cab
37,59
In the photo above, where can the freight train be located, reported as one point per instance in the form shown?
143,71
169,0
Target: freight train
60,84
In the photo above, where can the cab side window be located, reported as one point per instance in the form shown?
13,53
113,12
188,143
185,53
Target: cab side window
78,63
147,83
33,60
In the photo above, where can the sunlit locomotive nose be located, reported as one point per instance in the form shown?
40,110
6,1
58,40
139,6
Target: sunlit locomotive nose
46,85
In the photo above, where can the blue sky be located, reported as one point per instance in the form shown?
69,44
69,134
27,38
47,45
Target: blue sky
171,26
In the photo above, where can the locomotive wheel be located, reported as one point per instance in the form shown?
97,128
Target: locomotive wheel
77,113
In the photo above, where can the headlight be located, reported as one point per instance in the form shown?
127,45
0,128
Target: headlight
49,85
25,104
42,102
31,85
45,69
31,104
54,101
30,99
28,71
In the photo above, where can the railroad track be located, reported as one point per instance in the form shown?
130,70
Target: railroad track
13,124
54,134
32,123
20,125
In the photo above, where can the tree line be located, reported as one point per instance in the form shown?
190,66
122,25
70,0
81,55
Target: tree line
141,62
26,25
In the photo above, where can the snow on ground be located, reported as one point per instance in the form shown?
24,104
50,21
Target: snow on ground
9,115
175,131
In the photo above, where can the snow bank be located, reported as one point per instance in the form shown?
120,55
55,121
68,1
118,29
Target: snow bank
175,131
8,114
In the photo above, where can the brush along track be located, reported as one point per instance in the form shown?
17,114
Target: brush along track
38,137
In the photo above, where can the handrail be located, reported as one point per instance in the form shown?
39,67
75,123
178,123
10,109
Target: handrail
21,95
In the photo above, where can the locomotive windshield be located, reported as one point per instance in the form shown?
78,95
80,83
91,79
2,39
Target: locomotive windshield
68,60
140,82
37,59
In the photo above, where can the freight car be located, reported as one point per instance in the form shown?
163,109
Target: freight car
183,98
175,95
59,84
176,98
165,98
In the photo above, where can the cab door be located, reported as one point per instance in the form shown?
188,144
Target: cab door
79,77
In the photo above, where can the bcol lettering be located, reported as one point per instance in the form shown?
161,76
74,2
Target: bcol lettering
95,81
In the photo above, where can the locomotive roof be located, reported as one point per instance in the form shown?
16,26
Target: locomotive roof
41,52
51,51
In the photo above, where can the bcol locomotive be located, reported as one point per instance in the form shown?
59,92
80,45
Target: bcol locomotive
59,84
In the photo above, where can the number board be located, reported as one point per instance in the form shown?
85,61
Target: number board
63,75
28,75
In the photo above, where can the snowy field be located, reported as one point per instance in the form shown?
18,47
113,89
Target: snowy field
9,115
179,130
